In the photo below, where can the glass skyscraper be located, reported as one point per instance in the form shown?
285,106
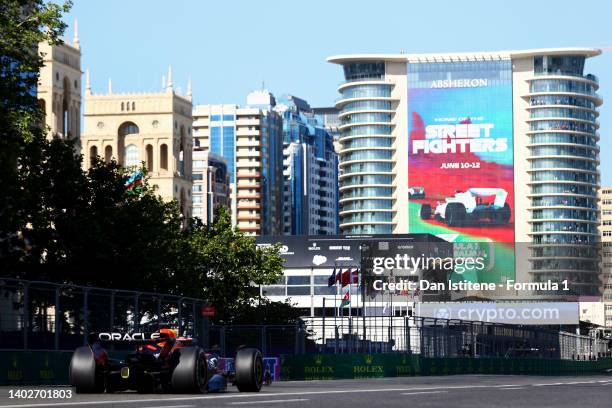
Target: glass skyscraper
310,172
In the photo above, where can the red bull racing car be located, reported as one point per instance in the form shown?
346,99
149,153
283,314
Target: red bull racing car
160,361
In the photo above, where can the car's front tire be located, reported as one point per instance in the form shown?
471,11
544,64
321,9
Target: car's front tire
249,370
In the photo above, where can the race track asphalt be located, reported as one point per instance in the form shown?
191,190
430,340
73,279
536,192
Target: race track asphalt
473,391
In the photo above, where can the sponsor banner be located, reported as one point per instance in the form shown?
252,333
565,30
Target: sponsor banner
34,367
325,251
460,158
524,313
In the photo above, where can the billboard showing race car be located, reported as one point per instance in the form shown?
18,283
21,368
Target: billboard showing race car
460,163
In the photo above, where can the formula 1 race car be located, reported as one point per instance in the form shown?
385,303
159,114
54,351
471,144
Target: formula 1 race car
416,192
470,208
160,361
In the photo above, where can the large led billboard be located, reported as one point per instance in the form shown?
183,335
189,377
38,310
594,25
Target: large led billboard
460,160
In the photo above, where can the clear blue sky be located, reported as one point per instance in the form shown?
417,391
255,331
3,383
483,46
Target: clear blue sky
230,47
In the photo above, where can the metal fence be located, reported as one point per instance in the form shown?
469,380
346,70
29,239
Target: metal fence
427,337
48,316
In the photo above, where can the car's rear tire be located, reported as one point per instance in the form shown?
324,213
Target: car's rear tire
249,370
425,211
191,373
455,214
84,375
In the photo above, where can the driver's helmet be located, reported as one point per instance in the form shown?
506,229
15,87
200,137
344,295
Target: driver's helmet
170,332
213,362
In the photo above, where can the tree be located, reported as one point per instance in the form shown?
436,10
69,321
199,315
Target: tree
226,267
89,230
23,24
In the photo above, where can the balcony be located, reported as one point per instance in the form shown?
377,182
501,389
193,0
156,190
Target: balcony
248,164
248,206
247,122
243,174
248,217
248,185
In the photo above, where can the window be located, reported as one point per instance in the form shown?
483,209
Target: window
273,290
215,118
108,153
93,153
149,150
607,233
228,149
228,117
298,280
131,155
215,140
325,290
197,176
298,290
199,163
163,156
128,128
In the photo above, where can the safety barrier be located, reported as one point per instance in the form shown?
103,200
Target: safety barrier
358,365
19,367
34,367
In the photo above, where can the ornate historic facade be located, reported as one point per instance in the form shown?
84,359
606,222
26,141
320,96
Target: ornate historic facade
154,128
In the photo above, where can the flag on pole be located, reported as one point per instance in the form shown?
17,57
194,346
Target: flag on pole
355,276
345,277
346,299
332,279
350,277
134,183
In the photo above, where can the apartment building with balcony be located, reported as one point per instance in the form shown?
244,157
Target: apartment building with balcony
249,139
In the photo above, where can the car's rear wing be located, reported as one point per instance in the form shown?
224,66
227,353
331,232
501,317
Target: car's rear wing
137,337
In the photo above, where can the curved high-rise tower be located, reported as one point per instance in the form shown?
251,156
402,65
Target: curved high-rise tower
511,137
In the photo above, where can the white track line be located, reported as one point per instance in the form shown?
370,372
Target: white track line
279,394
268,401
172,406
424,392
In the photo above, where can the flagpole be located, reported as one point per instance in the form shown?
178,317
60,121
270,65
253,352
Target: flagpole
335,316
338,310
335,286
342,310
323,322
363,291
350,271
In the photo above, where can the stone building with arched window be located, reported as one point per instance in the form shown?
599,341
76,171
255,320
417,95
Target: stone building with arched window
153,129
